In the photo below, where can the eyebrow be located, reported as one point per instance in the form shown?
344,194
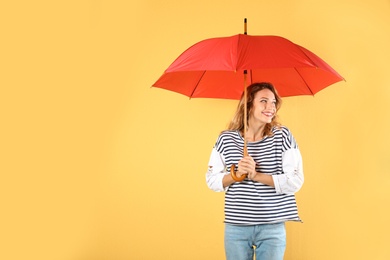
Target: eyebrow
267,98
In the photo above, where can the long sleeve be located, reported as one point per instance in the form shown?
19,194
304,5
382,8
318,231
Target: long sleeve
216,171
292,178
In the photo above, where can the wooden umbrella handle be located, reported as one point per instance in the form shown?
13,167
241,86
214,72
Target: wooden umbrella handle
234,176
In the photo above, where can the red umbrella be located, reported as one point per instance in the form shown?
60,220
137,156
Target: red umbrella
213,68
220,68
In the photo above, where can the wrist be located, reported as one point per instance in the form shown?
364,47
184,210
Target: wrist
254,176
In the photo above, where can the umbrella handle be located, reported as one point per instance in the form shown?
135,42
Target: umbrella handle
234,176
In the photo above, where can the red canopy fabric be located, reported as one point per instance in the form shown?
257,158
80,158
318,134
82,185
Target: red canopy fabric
214,68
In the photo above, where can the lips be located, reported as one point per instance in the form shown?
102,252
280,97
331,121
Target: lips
269,114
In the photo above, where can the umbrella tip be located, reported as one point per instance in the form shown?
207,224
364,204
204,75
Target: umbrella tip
245,26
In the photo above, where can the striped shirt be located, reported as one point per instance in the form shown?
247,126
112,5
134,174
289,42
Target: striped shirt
249,202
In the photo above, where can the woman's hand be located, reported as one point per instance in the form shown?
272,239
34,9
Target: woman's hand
247,166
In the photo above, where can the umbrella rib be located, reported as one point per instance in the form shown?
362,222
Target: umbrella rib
300,73
303,79
304,53
196,85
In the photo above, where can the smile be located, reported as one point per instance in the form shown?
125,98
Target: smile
268,114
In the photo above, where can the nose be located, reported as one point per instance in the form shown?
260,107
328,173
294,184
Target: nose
270,105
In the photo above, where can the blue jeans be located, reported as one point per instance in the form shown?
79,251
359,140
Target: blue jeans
267,242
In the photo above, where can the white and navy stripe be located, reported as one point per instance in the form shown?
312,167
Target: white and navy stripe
249,202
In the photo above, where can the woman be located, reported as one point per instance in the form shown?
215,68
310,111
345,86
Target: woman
257,207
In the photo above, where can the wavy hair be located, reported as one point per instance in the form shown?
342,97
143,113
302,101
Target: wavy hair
237,122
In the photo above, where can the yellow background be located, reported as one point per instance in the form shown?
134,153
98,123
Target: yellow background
96,165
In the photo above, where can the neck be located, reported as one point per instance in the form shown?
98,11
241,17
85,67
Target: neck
255,133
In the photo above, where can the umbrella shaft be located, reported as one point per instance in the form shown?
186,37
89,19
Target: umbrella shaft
245,113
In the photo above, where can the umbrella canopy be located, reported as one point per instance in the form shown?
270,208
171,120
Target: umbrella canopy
222,67
214,68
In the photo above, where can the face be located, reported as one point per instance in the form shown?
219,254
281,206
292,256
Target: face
263,108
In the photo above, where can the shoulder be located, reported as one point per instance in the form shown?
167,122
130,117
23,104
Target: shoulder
227,137
228,134
286,137
281,130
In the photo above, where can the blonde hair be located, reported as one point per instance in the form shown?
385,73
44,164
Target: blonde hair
237,122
